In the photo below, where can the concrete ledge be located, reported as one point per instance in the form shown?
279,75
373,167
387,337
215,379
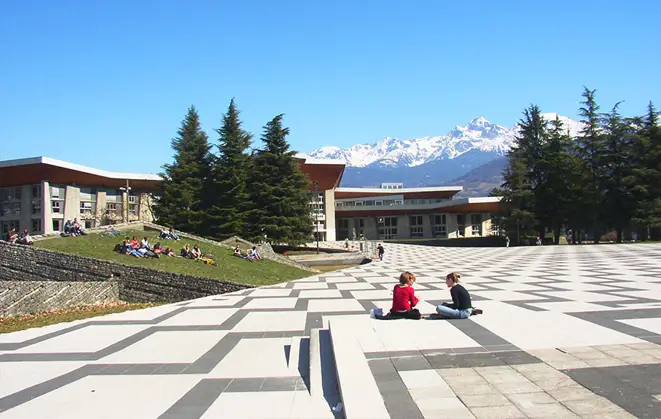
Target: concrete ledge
358,389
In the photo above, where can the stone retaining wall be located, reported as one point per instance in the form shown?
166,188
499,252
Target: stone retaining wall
54,280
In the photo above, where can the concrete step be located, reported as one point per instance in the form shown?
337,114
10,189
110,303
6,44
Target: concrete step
323,372
358,390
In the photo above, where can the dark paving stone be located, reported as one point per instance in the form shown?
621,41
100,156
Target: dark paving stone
244,385
198,400
396,397
410,363
213,356
630,387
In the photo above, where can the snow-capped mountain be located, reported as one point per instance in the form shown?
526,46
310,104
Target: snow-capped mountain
479,135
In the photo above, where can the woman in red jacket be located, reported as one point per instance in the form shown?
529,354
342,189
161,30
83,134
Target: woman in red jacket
404,299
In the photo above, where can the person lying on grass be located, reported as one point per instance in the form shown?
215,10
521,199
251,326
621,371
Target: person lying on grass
403,300
461,306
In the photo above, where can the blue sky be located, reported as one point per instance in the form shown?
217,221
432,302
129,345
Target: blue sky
106,83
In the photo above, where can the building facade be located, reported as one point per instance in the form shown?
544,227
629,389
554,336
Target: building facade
41,194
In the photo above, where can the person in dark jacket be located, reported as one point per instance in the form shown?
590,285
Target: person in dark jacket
461,306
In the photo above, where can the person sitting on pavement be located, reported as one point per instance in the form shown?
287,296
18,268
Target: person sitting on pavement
461,306
403,300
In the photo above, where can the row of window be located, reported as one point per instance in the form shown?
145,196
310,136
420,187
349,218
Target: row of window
387,227
389,202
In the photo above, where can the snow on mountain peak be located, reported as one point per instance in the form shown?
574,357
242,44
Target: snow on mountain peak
479,135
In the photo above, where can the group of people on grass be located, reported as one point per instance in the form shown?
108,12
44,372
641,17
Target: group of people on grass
252,254
14,238
73,229
404,301
169,234
143,249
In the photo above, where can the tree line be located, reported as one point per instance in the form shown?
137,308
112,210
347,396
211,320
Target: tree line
603,184
231,190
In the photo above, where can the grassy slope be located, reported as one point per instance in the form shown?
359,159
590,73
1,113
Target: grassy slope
29,321
229,268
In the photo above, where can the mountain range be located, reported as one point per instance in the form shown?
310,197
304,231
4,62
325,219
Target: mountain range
472,156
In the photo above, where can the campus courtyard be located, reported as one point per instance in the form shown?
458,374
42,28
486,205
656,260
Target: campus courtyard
567,332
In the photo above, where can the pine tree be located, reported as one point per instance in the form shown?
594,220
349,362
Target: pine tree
518,199
227,191
554,194
280,192
591,152
617,163
647,173
182,187
531,142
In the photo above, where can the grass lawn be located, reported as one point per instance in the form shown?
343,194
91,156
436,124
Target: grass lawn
228,268
28,321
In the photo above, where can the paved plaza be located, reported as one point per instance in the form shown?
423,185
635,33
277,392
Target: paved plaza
567,332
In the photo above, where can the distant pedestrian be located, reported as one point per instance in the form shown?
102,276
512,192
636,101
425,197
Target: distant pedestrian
507,241
380,251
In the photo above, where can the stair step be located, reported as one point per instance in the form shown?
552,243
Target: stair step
360,395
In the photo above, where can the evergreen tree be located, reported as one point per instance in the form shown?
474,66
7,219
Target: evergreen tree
227,192
647,173
180,204
617,165
280,192
554,193
591,153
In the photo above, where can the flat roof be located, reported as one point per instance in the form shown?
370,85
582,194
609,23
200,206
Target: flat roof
79,168
402,190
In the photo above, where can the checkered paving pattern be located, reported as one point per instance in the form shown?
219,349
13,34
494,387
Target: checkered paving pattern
578,311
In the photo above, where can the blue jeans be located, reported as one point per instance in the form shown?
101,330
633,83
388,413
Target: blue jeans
452,313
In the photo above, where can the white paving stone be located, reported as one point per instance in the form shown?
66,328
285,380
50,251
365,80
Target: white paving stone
200,317
88,339
173,347
272,321
108,397
256,358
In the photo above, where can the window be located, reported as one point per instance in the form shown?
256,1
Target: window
111,208
370,203
86,208
476,223
17,193
133,199
339,204
89,224
36,225
133,209
439,226
57,225
416,226
461,225
36,191
36,206
56,207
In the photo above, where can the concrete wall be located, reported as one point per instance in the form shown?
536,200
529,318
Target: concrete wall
71,203
46,209
56,280
24,297
26,209
329,201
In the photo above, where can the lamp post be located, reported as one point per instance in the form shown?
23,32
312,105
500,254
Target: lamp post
126,188
316,211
